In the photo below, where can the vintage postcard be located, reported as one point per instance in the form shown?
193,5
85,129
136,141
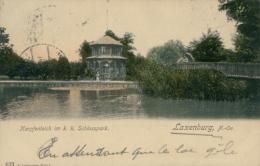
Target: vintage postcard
110,82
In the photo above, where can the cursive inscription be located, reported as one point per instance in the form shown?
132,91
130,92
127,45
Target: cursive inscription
138,151
44,150
80,151
99,152
163,149
182,150
226,150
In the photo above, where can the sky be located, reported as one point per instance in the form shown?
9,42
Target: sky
65,24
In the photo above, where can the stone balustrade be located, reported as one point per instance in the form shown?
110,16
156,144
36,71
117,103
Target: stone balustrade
102,85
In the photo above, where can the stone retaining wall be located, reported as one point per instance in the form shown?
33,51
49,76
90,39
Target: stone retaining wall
84,84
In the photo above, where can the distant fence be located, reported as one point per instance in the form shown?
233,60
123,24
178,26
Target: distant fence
247,70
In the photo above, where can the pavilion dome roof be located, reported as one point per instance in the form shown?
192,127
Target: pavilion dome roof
106,40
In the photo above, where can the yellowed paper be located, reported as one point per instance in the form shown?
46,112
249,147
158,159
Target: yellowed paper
63,127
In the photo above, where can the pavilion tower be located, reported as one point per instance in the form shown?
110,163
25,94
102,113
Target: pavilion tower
107,59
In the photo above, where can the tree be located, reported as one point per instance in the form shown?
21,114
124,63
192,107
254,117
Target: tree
76,70
28,68
168,53
4,50
245,51
140,55
63,68
47,69
209,48
84,51
127,41
10,62
112,34
247,15
51,68
4,38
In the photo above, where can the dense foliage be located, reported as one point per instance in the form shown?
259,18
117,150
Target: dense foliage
169,83
209,48
168,53
47,69
13,65
155,80
247,15
62,70
80,71
10,62
84,51
4,38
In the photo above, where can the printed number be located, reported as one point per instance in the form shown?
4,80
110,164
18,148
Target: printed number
9,164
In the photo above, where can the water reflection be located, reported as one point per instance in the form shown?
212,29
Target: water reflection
111,103
200,109
42,102
17,102
31,102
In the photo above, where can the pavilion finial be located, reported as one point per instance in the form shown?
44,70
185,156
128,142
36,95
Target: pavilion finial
107,20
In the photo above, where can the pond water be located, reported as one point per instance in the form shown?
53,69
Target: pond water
41,102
